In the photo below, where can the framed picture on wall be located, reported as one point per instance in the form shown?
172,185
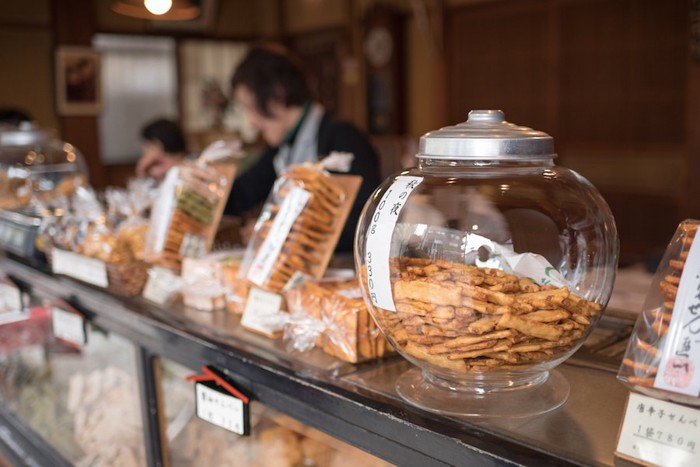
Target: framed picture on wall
78,81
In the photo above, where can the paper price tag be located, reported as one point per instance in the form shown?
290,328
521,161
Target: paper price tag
162,283
219,408
679,369
90,270
659,432
378,240
261,311
270,249
10,298
68,326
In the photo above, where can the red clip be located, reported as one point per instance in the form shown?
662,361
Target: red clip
210,375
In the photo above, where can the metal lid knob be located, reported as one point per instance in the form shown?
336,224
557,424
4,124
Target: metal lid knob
486,135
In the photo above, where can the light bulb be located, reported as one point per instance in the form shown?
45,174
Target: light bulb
158,7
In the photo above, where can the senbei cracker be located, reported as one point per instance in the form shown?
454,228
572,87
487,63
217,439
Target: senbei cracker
643,365
473,319
299,227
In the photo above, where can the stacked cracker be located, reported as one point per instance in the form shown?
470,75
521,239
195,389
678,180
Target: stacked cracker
471,319
311,235
643,355
349,333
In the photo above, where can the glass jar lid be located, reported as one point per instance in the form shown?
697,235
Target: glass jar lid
38,150
486,135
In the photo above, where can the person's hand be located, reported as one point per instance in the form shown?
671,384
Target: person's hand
154,162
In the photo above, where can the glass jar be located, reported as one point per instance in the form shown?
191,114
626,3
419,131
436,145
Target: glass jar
34,165
38,172
486,266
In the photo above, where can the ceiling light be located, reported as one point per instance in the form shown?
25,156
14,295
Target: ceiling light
158,7
167,10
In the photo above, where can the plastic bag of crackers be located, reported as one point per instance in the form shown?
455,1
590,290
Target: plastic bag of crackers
84,231
299,226
127,211
331,314
663,353
184,217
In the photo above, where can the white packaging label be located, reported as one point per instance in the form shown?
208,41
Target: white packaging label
68,326
10,298
262,310
220,409
90,270
290,209
660,433
378,241
679,370
162,211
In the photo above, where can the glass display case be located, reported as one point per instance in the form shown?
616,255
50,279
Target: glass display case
275,439
36,170
297,403
81,400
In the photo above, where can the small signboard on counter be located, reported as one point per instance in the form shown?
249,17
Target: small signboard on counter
68,324
261,312
656,432
11,297
90,270
219,402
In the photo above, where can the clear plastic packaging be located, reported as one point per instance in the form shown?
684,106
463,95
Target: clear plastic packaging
128,210
211,282
184,217
83,229
663,325
486,266
297,229
331,314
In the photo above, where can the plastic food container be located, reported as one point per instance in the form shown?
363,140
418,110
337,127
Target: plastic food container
486,266
36,169
34,163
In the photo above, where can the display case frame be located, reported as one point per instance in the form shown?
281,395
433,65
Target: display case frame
366,418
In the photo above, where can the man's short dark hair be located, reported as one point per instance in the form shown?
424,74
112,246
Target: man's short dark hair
271,73
167,132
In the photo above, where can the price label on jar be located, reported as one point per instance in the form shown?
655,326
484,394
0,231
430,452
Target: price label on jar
219,408
679,369
378,240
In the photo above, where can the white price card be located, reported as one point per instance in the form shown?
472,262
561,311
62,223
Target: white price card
378,240
161,285
10,298
90,270
262,310
68,326
294,202
219,408
659,432
679,369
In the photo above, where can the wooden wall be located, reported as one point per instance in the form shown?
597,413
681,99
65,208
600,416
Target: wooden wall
611,80
608,79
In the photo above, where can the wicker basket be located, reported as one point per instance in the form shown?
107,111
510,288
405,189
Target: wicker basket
124,279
